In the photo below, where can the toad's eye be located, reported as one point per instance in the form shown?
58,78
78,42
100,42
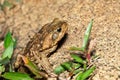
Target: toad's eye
59,29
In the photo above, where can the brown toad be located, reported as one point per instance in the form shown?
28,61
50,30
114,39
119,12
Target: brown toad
44,42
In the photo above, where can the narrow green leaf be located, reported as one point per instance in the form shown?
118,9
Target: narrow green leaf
16,76
67,66
76,49
86,74
7,40
78,59
9,44
8,51
87,35
79,75
59,70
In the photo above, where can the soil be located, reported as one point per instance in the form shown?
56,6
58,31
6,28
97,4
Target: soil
28,16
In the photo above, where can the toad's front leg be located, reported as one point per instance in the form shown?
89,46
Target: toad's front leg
42,61
46,64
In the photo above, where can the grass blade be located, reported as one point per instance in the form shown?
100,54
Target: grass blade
16,76
87,35
7,40
9,44
67,66
59,70
86,74
76,49
78,59
8,51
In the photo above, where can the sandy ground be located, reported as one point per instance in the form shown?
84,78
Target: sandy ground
30,15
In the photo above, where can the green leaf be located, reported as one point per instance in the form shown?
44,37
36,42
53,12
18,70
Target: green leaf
85,40
79,75
9,44
8,51
16,76
59,70
78,59
67,66
8,39
76,49
87,35
86,74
